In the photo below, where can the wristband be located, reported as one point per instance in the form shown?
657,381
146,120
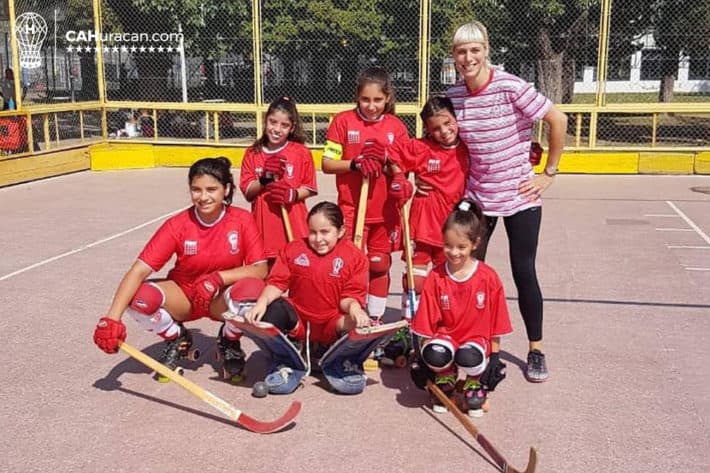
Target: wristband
265,181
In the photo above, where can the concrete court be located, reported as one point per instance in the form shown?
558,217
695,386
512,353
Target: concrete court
624,264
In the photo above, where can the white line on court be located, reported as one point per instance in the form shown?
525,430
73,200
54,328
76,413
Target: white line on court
689,222
661,215
682,247
674,229
697,269
86,247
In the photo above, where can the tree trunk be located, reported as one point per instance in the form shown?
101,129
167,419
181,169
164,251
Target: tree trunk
549,67
568,78
669,73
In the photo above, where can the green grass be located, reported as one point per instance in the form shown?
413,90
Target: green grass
649,97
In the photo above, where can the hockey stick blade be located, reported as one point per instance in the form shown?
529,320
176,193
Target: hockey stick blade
480,438
229,411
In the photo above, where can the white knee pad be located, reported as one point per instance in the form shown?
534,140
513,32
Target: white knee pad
478,369
160,322
376,305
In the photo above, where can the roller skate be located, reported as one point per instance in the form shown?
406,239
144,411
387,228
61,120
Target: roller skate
398,350
232,358
177,349
474,396
446,381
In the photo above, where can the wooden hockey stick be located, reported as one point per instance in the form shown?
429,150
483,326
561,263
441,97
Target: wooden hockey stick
221,405
361,211
473,430
411,293
287,223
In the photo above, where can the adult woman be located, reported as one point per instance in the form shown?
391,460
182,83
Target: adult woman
215,245
496,112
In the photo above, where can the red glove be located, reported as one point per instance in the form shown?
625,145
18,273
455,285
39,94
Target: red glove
206,288
281,193
274,165
108,333
400,190
373,149
535,153
368,167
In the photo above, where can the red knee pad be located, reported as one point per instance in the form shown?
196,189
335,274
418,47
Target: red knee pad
246,290
379,285
418,282
379,263
148,299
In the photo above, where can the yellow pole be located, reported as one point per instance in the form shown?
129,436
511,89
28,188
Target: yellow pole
654,129
45,123
155,124
256,35
602,60
100,67
578,131
30,135
424,38
81,125
215,120
15,54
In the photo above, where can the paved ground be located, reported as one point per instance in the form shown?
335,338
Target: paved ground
625,268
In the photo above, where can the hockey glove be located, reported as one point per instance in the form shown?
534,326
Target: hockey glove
281,193
420,374
494,373
535,153
367,167
400,190
274,165
206,288
373,149
108,333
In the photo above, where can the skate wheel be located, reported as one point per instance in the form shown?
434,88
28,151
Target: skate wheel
371,365
475,413
400,361
161,379
179,370
193,354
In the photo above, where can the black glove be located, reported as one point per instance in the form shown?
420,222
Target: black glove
494,373
420,373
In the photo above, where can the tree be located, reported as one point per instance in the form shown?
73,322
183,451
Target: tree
680,28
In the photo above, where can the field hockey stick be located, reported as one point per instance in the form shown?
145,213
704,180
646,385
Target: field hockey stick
221,405
287,223
411,293
480,438
361,211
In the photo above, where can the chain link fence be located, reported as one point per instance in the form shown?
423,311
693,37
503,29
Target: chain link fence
239,56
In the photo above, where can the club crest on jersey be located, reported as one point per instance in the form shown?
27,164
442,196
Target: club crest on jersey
353,136
259,171
480,300
289,170
302,260
190,247
444,301
338,264
233,239
433,165
390,137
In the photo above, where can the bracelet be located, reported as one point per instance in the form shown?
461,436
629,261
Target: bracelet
550,173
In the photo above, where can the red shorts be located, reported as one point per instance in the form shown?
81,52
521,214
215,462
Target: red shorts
325,333
195,311
383,237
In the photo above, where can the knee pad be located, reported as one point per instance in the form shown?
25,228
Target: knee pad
148,299
379,263
420,275
160,322
438,353
281,315
471,358
241,295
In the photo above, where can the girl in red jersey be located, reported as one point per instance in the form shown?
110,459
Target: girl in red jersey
326,279
439,160
461,316
277,172
215,245
355,148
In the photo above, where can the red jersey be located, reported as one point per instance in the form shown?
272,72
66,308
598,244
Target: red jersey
465,310
300,171
317,283
346,136
445,169
230,242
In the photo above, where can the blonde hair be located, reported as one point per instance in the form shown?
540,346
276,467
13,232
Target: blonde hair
473,32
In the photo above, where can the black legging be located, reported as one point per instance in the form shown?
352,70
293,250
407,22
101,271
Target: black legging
523,230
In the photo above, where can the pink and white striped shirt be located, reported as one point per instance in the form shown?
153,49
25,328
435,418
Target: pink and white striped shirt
495,123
